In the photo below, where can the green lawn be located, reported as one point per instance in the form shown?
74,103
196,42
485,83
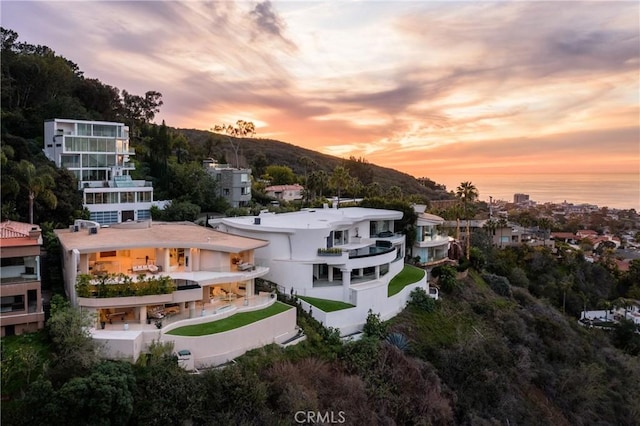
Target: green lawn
230,323
408,275
326,305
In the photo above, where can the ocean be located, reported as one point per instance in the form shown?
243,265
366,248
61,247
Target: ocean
613,190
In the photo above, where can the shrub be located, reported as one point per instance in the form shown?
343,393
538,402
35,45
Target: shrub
421,300
500,285
374,327
398,340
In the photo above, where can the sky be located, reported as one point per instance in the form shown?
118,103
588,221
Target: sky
427,88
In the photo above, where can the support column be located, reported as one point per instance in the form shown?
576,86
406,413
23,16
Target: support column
377,272
192,309
143,314
330,274
346,284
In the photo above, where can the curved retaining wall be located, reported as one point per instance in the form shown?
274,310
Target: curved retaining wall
216,349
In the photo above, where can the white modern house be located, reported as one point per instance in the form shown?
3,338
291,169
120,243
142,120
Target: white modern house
143,280
98,154
348,255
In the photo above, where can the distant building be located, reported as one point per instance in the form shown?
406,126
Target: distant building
520,198
285,192
98,154
234,185
21,301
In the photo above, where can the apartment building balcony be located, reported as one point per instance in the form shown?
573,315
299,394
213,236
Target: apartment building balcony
433,241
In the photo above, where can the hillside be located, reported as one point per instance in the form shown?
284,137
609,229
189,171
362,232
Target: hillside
286,154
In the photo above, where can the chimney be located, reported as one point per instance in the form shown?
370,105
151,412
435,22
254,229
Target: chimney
34,233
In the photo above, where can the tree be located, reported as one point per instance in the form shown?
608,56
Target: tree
395,192
545,225
373,190
355,187
74,350
38,184
306,163
318,180
242,129
467,193
280,175
339,179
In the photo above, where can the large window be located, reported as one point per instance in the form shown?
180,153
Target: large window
340,237
127,197
144,197
84,144
101,197
105,130
98,160
12,303
69,161
105,218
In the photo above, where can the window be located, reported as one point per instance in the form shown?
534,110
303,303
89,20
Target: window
127,197
340,237
12,261
244,177
144,197
70,161
12,303
32,300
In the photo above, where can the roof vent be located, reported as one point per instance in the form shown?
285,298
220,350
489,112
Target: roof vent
256,221
93,230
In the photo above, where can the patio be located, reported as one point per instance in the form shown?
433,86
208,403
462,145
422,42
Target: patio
212,307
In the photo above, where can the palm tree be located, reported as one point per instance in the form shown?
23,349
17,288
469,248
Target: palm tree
38,184
317,181
467,193
373,190
355,187
395,192
339,179
307,163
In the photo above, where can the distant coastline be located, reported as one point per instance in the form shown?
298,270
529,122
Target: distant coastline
613,190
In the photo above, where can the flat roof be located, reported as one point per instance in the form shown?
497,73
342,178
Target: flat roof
158,234
312,218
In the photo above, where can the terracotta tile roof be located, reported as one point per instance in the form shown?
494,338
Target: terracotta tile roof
14,234
11,229
278,188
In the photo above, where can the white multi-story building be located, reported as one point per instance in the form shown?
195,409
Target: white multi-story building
234,184
348,255
141,280
98,154
432,243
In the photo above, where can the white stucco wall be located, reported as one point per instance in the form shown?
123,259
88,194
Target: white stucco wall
216,349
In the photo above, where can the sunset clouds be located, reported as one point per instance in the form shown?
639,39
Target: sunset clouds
428,88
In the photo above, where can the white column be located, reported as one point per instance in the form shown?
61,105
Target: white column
330,277
192,309
38,268
377,272
143,314
346,284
